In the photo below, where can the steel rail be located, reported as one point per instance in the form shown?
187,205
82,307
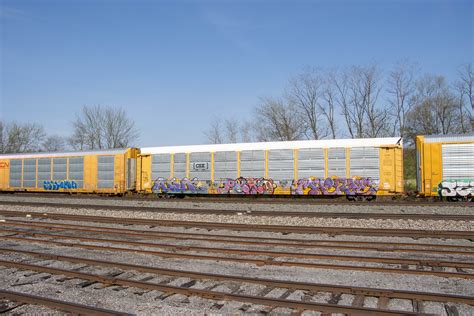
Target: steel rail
332,244
320,287
246,227
260,239
74,308
258,262
311,214
252,199
256,252
210,294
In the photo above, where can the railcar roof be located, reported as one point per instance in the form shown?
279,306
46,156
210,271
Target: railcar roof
324,143
64,154
449,138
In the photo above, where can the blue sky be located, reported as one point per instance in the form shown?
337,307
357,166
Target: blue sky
174,64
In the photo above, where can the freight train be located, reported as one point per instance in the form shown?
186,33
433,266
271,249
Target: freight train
445,166
355,168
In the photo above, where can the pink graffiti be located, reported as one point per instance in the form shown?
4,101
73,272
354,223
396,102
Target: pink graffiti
245,186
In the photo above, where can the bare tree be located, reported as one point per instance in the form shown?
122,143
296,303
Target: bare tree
306,92
368,89
340,81
77,140
3,137
120,131
356,92
100,127
328,109
246,131
90,124
435,110
54,143
465,88
231,130
20,138
277,120
401,89
214,134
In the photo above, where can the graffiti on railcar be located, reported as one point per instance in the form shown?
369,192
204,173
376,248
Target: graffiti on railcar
56,185
267,186
456,188
247,185
334,186
185,185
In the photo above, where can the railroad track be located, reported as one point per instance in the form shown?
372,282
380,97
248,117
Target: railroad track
253,256
359,294
68,307
257,199
311,214
245,240
246,227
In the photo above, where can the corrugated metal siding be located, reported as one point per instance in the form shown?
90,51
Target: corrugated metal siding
59,169
76,171
180,166
453,138
64,154
365,162
161,166
132,173
337,162
29,173
418,170
15,173
281,164
44,171
196,171
105,172
458,161
252,163
311,163
225,165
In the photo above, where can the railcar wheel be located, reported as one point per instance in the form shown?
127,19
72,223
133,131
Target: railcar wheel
370,198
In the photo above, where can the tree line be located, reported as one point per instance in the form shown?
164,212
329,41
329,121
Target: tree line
358,102
94,127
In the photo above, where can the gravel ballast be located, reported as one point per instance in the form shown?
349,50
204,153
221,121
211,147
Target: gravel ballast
142,302
421,224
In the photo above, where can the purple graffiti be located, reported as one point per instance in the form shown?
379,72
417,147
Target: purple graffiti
334,186
245,186
184,185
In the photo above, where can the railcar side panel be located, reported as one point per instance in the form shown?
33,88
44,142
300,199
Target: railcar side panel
119,174
445,165
391,166
144,171
69,172
4,174
90,174
331,167
400,183
311,162
226,165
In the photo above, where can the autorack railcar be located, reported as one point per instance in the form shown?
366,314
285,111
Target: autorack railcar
105,171
352,167
445,166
